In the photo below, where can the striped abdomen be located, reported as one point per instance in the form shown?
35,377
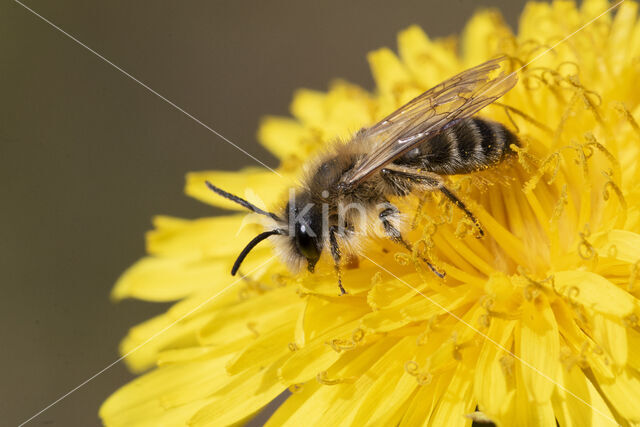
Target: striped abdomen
467,146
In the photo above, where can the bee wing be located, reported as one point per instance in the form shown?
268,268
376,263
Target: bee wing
457,98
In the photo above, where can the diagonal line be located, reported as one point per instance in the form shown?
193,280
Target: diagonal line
572,34
160,332
497,344
555,45
173,104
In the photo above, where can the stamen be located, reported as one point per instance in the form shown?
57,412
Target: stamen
323,379
563,200
545,167
593,142
412,368
563,119
507,363
586,250
339,345
567,358
282,280
402,258
509,109
464,228
418,214
531,292
622,109
485,319
586,96
631,321
581,159
252,287
252,327
296,388
567,75
613,186
293,347
376,279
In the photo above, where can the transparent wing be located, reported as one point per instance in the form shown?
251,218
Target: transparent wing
457,98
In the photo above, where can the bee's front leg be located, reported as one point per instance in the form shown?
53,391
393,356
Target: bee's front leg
335,253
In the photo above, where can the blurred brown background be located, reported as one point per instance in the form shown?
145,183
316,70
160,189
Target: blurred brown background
87,156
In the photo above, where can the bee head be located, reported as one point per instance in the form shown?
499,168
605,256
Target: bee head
305,228
302,227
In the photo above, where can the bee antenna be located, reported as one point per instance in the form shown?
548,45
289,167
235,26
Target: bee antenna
242,202
259,238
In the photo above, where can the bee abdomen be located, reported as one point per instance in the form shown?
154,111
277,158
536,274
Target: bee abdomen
467,146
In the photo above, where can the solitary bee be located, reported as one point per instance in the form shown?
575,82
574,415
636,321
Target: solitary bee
407,151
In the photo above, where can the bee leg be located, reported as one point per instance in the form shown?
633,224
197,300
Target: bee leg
335,252
394,234
427,181
444,190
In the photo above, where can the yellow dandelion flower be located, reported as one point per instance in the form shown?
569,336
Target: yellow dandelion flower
536,322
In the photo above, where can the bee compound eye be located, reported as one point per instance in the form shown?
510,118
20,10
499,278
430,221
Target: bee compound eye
307,242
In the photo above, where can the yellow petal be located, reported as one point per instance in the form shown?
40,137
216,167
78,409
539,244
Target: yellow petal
457,400
265,349
349,377
612,336
578,403
619,244
633,355
178,327
162,388
578,341
425,399
521,410
315,356
308,106
539,348
251,317
595,292
389,390
389,73
244,395
291,407
421,308
202,237
182,355
144,341
623,392
429,62
335,115
482,37
492,375
151,414
621,35
167,279
322,315
392,292
282,136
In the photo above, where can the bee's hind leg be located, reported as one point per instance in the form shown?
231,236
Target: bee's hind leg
335,253
394,234
454,199
427,181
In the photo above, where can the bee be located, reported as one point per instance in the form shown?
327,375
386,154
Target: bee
409,151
